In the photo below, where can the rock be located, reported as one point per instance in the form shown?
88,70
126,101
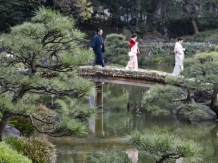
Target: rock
205,115
11,131
132,154
210,115
179,160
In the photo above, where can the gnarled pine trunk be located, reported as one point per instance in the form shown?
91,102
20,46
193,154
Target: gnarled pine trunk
3,123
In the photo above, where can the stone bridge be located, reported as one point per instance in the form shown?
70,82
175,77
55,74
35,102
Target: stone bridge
120,75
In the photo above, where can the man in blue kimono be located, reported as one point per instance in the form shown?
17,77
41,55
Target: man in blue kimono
97,45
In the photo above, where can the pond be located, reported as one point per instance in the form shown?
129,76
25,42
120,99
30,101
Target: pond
164,68
115,121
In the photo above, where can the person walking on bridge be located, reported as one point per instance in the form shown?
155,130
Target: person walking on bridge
179,57
97,45
134,51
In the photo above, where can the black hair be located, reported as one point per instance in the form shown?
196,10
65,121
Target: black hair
179,39
98,30
134,35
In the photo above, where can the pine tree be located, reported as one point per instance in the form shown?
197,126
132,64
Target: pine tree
49,49
165,146
197,98
117,49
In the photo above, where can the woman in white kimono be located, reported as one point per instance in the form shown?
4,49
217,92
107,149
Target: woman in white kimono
134,49
179,57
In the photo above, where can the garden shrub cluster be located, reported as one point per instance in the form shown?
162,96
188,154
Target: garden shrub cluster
37,149
23,125
6,154
117,49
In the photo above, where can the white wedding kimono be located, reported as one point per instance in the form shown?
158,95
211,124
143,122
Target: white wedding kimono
179,57
133,60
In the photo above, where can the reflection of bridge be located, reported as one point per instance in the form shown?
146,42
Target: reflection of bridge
143,78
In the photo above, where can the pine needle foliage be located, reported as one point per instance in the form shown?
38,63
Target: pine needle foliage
117,49
159,99
50,49
165,146
203,67
198,93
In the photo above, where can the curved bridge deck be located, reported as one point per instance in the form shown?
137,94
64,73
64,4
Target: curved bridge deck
140,77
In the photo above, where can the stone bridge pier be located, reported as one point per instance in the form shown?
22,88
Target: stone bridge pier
99,99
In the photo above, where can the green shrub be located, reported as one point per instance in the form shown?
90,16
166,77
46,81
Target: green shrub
37,149
8,155
158,145
23,125
117,49
157,49
190,50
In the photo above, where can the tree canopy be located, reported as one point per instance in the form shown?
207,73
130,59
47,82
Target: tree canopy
48,51
165,146
171,18
199,92
80,9
117,49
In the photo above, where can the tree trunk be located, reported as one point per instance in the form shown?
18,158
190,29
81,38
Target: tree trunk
3,123
137,20
154,12
19,94
128,15
195,27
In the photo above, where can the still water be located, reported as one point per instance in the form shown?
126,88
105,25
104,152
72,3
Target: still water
115,121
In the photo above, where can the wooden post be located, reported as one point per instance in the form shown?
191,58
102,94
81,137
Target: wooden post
99,88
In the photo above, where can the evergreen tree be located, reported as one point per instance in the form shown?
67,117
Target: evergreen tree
117,49
165,146
79,9
199,92
190,10
13,12
49,48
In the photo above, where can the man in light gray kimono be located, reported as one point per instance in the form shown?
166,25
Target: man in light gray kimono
179,56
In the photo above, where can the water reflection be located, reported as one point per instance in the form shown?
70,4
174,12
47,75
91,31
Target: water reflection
115,121
164,68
